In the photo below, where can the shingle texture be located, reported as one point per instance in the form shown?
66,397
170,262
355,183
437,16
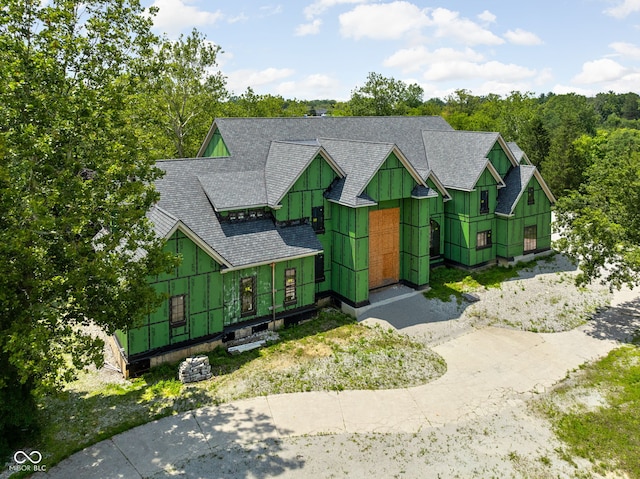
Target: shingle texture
267,156
458,157
182,194
516,181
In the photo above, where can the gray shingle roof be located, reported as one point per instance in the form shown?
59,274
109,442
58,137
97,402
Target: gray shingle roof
163,222
359,160
234,190
285,162
239,244
517,152
516,181
249,139
269,154
458,157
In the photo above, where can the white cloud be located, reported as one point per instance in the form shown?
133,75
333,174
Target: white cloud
487,17
626,50
312,28
624,9
544,77
500,88
413,59
598,71
240,80
320,6
522,37
175,16
449,24
627,83
564,89
382,21
238,18
493,70
268,10
313,86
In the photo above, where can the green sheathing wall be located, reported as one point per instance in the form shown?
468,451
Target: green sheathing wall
216,147
198,276
499,159
392,181
463,221
305,194
436,213
305,289
414,241
510,231
391,187
350,252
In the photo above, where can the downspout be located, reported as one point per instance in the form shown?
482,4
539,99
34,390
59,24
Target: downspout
273,290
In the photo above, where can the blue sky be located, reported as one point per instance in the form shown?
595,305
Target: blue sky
312,49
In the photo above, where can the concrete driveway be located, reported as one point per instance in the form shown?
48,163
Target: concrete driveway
486,367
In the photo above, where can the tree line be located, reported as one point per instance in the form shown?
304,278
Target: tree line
90,98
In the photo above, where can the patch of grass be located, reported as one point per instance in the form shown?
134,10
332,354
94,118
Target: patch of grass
608,436
446,282
330,352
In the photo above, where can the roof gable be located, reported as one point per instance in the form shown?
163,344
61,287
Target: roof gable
287,161
184,204
516,183
460,157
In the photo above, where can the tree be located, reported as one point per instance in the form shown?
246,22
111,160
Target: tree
181,101
75,185
566,118
601,221
250,104
382,96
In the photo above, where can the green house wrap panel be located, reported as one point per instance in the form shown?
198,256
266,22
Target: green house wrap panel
216,147
198,278
305,289
138,340
198,324
158,335
123,339
198,292
392,181
499,159
511,229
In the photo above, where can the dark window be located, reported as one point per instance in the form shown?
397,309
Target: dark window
434,246
531,196
317,219
530,238
290,286
484,201
483,239
248,296
319,268
177,311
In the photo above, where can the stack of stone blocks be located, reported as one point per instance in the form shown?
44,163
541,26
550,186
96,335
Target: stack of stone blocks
194,369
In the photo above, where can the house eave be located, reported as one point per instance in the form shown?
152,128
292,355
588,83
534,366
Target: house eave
270,261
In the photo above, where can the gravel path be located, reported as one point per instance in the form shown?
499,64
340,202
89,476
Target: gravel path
514,441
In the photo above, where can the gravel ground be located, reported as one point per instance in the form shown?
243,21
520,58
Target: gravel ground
515,442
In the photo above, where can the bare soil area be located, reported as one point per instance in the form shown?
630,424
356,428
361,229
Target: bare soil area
516,441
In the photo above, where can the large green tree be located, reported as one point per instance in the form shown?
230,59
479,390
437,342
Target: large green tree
383,96
250,104
183,98
601,221
75,184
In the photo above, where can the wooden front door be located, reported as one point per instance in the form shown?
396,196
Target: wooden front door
384,247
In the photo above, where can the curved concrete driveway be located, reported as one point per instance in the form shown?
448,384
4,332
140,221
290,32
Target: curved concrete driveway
485,368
